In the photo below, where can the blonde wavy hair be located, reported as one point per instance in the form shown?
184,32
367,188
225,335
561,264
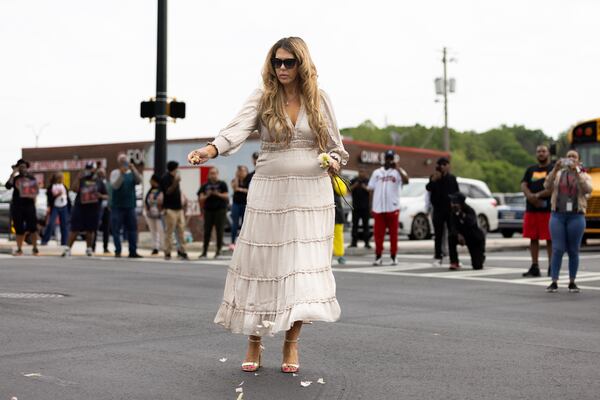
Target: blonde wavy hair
272,108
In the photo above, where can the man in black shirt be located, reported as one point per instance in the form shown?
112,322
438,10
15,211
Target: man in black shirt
537,212
22,206
441,185
85,215
172,204
361,211
213,199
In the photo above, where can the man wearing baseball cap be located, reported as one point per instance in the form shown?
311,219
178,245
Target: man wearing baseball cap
385,185
441,185
22,206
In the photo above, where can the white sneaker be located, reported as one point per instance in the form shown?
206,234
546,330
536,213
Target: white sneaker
66,252
394,262
378,261
437,263
89,252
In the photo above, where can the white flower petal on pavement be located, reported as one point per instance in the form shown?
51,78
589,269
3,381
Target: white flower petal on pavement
222,359
294,374
239,390
321,381
256,374
305,383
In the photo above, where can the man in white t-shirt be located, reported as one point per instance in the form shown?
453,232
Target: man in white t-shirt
385,185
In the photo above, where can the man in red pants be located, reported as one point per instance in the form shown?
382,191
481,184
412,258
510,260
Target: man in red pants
385,185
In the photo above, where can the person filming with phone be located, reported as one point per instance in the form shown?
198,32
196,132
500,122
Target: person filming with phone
569,186
123,200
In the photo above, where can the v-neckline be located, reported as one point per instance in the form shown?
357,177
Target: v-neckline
300,111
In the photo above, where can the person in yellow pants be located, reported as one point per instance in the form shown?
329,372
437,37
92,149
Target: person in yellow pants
339,191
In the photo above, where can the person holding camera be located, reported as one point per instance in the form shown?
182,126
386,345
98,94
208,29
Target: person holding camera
123,201
385,184
441,185
537,211
170,185
569,187
466,230
213,197
22,206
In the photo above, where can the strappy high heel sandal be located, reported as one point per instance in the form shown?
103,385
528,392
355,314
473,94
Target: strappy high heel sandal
252,366
289,368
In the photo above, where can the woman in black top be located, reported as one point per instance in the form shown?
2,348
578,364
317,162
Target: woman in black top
240,193
22,206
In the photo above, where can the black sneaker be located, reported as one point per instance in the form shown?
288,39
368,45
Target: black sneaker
134,255
534,271
573,288
203,255
182,255
353,244
35,251
553,288
117,255
167,256
368,246
154,252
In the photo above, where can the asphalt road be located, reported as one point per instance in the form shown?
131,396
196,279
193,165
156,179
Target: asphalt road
131,329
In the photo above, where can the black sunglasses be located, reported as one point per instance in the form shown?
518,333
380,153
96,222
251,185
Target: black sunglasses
288,62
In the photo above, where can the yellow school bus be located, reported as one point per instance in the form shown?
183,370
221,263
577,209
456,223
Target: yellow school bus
585,138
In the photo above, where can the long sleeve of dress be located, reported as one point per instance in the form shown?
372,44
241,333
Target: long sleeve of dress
231,138
334,140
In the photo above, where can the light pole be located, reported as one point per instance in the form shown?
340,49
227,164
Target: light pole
37,132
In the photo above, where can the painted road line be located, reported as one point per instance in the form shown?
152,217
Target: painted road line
456,275
473,272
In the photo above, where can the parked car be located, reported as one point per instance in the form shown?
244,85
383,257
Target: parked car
510,215
415,215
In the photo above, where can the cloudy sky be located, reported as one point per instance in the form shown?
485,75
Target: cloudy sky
76,70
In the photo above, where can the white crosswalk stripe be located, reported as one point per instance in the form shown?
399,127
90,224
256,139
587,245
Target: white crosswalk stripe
489,274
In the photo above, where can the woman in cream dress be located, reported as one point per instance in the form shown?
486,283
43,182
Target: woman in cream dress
280,273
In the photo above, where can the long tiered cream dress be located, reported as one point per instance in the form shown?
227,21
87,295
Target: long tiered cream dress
280,271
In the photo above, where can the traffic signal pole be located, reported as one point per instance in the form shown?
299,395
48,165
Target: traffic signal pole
160,136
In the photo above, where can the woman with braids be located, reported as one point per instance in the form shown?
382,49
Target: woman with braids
280,273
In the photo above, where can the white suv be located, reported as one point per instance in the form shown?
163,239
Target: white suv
415,215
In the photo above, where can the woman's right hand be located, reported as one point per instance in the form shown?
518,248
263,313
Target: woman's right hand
200,156
558,164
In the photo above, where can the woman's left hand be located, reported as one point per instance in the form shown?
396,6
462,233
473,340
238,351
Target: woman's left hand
334,167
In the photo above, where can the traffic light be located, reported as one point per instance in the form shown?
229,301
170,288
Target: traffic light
176,109
148,109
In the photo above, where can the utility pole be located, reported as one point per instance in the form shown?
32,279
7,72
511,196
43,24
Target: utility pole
444,86
446,134
160,135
